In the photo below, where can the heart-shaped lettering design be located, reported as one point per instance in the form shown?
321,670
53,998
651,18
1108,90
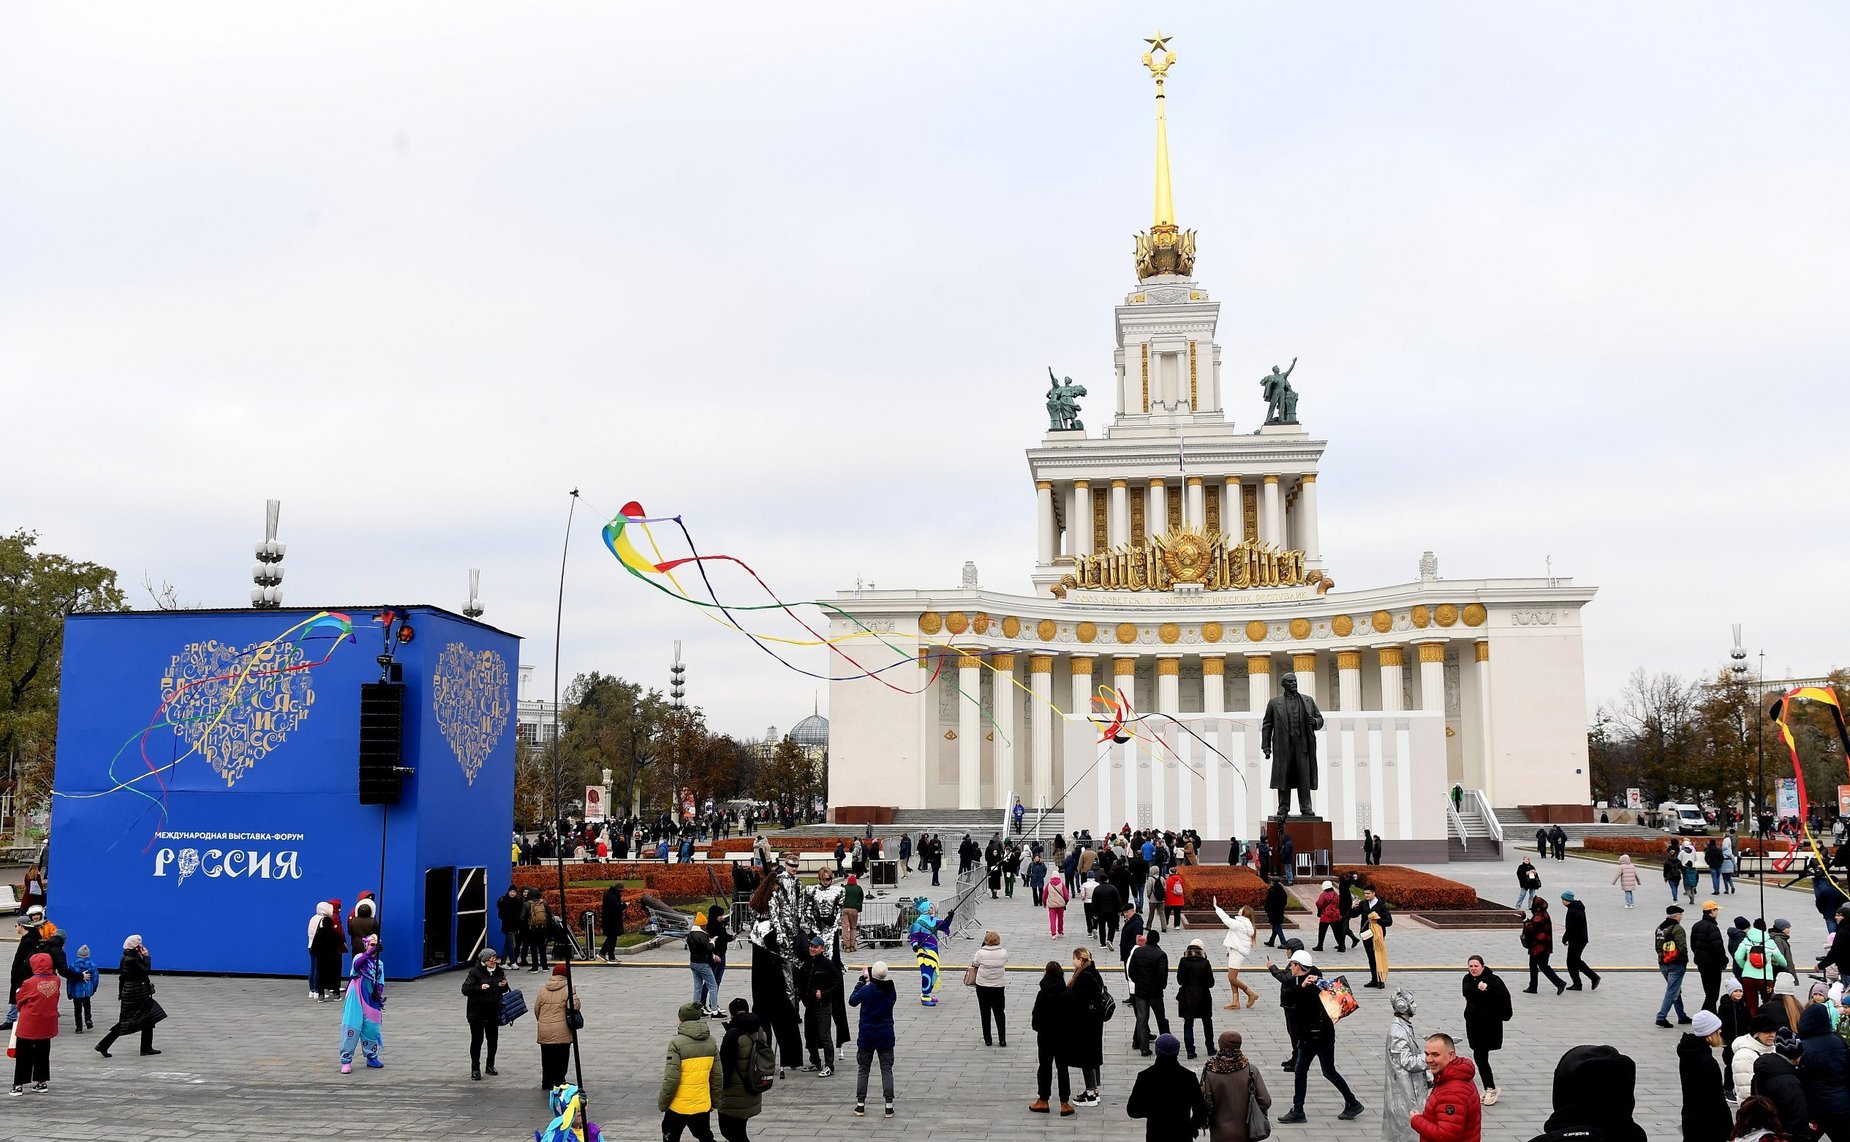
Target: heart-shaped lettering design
469,694
233,706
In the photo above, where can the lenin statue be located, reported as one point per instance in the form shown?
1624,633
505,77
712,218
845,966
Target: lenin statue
1286,736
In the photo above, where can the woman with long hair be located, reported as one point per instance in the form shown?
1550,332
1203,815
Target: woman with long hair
1487,1008
1756,1120
1239,945
1087,1044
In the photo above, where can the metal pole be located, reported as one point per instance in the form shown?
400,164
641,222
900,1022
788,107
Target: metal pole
558,807
1760,778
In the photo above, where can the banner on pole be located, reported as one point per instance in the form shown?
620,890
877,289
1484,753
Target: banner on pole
1788,796
596,797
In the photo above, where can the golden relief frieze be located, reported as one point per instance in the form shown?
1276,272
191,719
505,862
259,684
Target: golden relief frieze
1188,555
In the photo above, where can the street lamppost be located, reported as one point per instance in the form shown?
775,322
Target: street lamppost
1738,668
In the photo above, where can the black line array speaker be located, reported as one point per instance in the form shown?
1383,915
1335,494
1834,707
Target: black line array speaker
382,742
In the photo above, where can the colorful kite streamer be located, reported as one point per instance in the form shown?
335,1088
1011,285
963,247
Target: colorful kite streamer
323,624
1827,697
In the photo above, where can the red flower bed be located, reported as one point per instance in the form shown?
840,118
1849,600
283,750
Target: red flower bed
732,846
1407,888
1636,846
1232,885
669,881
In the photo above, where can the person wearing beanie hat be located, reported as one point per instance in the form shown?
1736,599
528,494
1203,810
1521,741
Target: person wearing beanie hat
1705,1111
1195,996
692,1077
1329,907
1746,1050
1574,938
819,982
1757,959
1776,1077
876,996
1672,944
1709,948
746,1062
1731,1009
1230,1084
1316,1040
1147,970
1167,1096
552,1026
83,986
484,988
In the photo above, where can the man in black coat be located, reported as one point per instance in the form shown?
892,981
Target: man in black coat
1275,900
1374,912
1133,928
1777,1078
1265,858
1710,950
1148,973
1316,1039
1167,1096
1839,955
1106,904
1574,938
1286,982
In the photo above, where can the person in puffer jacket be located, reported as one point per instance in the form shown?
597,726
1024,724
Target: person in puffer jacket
1776,1077
1746,1050
1453,1113
1822,1071
691,1078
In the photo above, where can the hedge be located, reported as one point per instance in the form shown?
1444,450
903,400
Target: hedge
1660,846
1408,888
670,881
1232,885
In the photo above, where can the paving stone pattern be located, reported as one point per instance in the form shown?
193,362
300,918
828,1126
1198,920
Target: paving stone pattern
256,1058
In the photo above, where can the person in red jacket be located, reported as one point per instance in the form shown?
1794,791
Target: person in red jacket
1174,897
37,1026
1452,1112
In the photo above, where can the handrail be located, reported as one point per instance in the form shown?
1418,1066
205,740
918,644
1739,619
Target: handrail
1458,823
1490,817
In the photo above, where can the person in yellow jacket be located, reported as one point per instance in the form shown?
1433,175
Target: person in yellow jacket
691,1080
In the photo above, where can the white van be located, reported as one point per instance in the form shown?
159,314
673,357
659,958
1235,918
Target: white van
1683,819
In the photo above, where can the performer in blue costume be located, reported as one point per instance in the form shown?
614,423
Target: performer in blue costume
923,937
365,1008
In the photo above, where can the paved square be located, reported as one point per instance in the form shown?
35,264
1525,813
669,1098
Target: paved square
256,1058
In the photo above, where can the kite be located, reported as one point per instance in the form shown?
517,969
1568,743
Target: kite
1827,697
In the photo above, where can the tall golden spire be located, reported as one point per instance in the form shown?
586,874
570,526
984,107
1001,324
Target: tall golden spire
1166,249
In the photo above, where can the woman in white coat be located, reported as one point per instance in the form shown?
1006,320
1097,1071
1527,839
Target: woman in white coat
1749,1047
1239,945
1406,1087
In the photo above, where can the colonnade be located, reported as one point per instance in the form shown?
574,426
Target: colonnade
1285,510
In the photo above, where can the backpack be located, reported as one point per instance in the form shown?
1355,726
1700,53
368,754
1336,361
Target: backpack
1667,953
536,913
761,1068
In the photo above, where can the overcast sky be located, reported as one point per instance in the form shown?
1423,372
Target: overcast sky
1567,281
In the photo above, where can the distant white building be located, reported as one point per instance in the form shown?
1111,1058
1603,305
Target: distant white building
536,720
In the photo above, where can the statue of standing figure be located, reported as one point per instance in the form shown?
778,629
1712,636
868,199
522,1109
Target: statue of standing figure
1062,408
1281,400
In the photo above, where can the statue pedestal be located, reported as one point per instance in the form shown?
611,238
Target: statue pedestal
1282,430
1310,837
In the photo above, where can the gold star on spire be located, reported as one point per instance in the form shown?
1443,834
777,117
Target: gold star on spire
1160,43
1159,57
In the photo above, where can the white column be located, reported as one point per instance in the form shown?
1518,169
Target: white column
1045,552
1082,684
927,715
1432,676
1156,513
1213,701
1271,513
1348,680
1124,677
1486,745
1080,526
1002,690
970,732
1169,701
1307,518
1233,511
1304,665
1195,508
1041,793
1258,682
1119,521
1213,684
1392,685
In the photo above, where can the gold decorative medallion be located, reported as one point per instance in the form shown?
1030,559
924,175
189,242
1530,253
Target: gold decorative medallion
1187,555
1087,632
931,622
1045,629
1011,627
1382,622
1300,628
957,622
1445,614
950,735
1255,631
1421,616
1343,625
1169,632
1212,632
979,623
1474,614
1127,632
